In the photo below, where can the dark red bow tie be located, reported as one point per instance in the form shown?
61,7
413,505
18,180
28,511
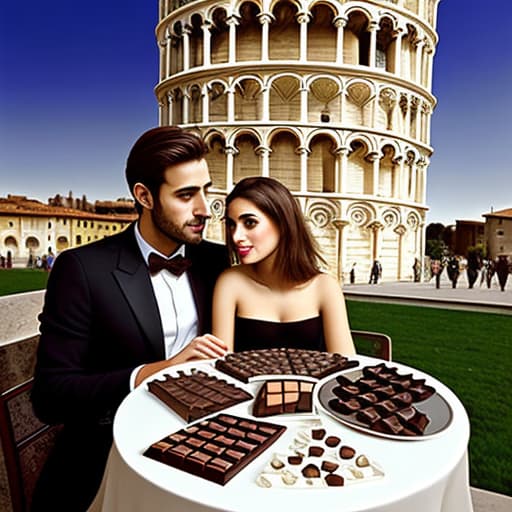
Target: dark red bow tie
176,265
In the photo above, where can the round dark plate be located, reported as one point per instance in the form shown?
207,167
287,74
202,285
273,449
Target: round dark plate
435,407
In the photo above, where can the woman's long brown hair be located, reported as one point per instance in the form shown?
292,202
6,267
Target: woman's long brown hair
298,258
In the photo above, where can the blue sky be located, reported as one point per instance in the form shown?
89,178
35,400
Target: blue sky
76,90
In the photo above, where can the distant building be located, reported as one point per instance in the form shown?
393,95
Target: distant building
498,233
468,233
31,228
334,99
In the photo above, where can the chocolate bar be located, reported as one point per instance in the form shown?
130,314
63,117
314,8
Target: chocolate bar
216,448
283,396
282,361
197,395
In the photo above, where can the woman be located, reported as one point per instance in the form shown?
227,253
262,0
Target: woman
277,296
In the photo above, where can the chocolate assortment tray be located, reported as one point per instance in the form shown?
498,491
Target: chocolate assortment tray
316,459
197,394
283,396
380,401
250,364
216,448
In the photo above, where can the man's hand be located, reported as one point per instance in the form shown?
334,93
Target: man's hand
207,346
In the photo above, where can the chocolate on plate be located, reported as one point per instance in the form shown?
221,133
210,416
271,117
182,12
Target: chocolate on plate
382,400
216,448
282,361
283,396
197,394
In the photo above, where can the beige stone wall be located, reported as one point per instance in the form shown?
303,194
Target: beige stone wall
25,234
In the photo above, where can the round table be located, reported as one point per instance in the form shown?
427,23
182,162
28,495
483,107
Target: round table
424,475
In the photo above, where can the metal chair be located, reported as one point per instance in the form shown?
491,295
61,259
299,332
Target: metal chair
26,443
374,344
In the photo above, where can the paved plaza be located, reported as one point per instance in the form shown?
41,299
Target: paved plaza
479,298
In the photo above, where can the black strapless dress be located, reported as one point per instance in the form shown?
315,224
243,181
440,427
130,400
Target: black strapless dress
252,334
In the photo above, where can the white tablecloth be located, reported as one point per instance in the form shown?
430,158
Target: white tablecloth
426,475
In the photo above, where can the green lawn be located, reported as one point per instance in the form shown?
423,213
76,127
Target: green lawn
469,352
17,280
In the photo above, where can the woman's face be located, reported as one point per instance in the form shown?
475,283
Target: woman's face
255,236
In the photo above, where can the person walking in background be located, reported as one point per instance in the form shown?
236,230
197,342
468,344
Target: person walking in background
436,268
473,266
376,272
489,273
502,270
118,310
416,269
353,273
277,295
452,268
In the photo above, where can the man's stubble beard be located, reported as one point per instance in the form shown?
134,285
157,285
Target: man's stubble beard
173,231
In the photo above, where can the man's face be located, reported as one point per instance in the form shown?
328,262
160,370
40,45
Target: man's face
180,210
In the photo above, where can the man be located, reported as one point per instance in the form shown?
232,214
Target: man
111,318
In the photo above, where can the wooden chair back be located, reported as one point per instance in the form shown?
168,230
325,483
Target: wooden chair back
26,443
374,344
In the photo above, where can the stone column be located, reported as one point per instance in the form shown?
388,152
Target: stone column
303,105
207,36
161,107
168,55
232,22
412,191
231,104
342,174
187,30
162,46
397,177
265,98
230,153
265,19
375,227
398,52
400,230
340,23
339,224
264,153
186,107
170,107
303,152
206,104
372,28
419,58
375,160
403,179
303,19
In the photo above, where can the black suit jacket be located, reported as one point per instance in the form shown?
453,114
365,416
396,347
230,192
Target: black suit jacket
99,322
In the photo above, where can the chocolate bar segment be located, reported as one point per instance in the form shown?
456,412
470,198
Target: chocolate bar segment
232,443
283,396
282,361
197,394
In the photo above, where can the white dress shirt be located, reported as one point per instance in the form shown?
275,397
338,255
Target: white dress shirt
175,302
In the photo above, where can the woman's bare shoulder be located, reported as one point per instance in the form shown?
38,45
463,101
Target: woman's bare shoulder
233,275
327,284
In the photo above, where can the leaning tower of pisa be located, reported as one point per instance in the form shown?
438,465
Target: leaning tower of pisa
333,98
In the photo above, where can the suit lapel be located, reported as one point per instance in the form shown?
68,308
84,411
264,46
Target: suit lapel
135,283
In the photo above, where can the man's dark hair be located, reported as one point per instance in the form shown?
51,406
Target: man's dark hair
155,151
